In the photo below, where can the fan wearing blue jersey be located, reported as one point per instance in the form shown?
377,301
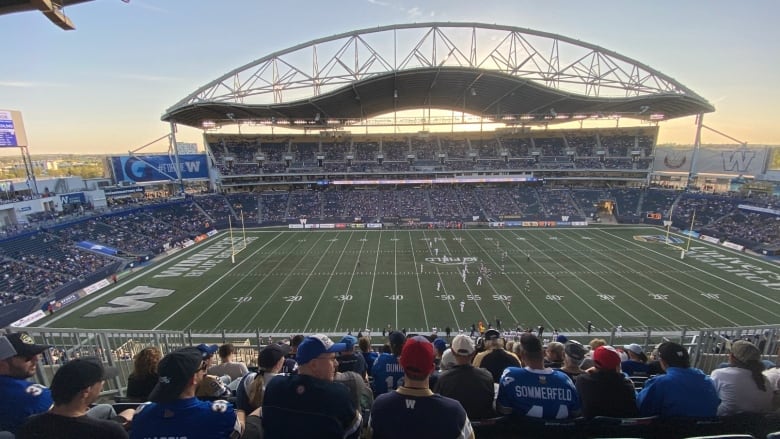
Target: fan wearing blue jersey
19,398
175,411
413,410
536,391
387,371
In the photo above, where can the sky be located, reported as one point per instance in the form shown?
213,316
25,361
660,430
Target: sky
103,87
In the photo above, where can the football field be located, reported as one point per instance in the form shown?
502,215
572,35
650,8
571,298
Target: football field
338,281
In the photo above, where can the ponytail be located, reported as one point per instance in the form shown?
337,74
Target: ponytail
256,389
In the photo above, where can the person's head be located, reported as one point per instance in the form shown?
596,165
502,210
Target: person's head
208,351
635,352
295,341
365,344
396,340
531,351
606,358
462,349
440,345
226,351
417,358
317,356
673,355
746,355
80,379
24,363
146,360
351,341
595,343
574,353
180,373
492,340
271,357
554,351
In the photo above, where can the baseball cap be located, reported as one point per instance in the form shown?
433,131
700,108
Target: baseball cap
271,354
315,345
492,334
396,338
6,348
575,350
77,375
561,339
175,370
448,360
440,345
675,355
462,345
417,356
745,351
635,348
208,349
606,357
24,345
350,341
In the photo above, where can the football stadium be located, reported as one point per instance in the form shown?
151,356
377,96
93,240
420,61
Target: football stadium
438,179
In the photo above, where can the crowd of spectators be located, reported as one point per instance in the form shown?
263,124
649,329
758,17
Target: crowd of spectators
493,383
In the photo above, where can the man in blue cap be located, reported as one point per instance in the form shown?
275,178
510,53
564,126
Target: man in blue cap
310,404
349,360
175,411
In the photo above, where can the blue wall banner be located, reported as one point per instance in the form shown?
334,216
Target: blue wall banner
97,248
148,168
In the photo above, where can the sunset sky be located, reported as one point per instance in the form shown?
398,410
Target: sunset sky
103,87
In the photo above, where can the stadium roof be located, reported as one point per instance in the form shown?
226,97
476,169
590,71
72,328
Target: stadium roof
52,9
499,72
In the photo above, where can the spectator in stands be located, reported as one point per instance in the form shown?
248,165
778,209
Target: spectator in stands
594,344
350,360
144,376
290,365
387,371
773,375
494,358
682,391
19,398
536,391
742,387
75,386
310,404
359,390
605,391
636,365
471,386
175,411
226,366
413,411
251,388
369,355
654,363
574,353
553,355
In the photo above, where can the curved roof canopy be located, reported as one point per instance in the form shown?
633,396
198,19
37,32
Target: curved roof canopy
489,70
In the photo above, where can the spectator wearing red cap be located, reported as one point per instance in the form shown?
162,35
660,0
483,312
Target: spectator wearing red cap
309,404
535,391
683,391
605,391
413,410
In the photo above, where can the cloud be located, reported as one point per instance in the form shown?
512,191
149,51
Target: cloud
29,84
146,78
414,12
378,2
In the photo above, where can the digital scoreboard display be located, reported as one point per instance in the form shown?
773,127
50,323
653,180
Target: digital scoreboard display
11,129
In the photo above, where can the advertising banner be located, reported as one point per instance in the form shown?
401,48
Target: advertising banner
149,168
97,248
672,159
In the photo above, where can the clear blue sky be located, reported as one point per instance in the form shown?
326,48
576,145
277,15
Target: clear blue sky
103,87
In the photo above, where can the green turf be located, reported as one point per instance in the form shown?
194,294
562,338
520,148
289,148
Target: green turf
310,281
